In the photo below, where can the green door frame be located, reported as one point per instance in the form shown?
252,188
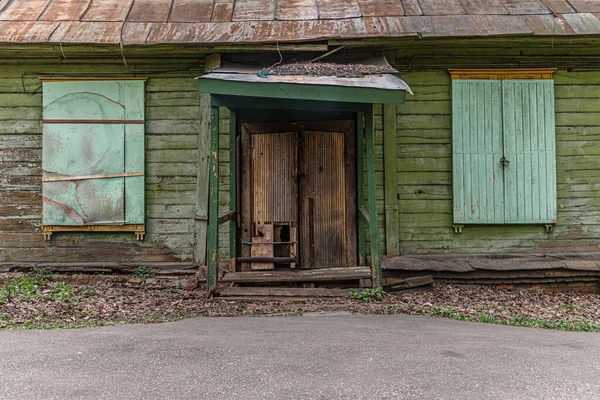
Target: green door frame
367,216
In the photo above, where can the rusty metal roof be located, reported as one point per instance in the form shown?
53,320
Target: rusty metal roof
145,22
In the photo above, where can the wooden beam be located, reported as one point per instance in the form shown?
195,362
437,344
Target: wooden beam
373,228
226,217
282,292
285,104
202,181
360,188
213,203
408,283
212,62
301,275
233,222
302,92
390,171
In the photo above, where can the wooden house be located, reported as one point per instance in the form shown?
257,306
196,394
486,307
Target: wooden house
114,155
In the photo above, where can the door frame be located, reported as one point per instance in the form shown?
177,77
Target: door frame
245,184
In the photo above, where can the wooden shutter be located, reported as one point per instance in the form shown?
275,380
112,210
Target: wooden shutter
477,149
529,145
93,129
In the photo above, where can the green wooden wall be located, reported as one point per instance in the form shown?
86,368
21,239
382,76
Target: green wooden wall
424,148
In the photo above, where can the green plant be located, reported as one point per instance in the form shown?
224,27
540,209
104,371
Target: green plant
143,272
367,295
24,288
61,293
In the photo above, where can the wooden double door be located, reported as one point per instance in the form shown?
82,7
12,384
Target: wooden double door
298,195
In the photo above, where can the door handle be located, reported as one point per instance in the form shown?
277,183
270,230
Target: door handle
504,162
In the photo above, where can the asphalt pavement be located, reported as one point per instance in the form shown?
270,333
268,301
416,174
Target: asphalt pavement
310,357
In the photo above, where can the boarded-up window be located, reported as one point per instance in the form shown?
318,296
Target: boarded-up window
93,153
504,164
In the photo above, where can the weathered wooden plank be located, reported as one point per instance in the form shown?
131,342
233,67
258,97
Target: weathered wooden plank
168,142
160,126
419,106
233,201
281,292
11,127
408,283
373,228
171,197
301,275
180,113
170,156
213,203
391,181
360,187
170,169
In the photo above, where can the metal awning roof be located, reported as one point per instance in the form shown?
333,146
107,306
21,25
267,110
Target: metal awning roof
243,80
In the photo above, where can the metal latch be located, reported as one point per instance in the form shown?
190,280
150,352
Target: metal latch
504,162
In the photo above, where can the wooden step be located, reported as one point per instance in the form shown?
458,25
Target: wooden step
280,292
301,275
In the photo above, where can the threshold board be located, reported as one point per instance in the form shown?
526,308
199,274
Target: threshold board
301,275
281,292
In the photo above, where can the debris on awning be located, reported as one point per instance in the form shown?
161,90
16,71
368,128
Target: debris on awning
373,73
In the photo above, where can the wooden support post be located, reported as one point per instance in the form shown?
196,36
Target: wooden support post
232,188
373,231
201,215
213,204
360,188
390,171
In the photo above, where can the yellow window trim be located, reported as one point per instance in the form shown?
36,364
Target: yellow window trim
498,74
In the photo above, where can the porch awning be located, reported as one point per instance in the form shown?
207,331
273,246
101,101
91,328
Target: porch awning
371,88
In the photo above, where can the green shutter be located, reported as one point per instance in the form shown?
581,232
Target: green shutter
512,119
477,148
78,143
529,145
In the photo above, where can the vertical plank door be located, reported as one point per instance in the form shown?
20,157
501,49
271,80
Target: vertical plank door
323,201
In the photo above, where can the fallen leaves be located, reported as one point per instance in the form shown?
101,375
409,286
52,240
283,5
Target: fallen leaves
107,303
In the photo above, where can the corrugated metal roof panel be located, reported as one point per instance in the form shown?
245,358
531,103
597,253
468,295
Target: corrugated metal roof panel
254,10
411,7
381,8
136,32
441,7
103,10
545,25
24,10
297,10
583,23
261,21
524,7
24,32
222,12
560,6
87,32
150,11
335,9
484,7
192,11
387,26
585,5
65,10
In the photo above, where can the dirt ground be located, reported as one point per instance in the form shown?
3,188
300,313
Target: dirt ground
34,301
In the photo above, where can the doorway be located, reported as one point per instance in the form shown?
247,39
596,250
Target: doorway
298,195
